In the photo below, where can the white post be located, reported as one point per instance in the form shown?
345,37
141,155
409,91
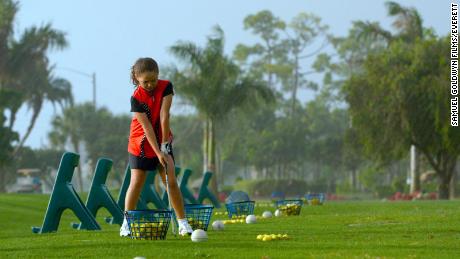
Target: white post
414,168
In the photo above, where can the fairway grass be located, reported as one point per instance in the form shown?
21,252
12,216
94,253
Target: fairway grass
361,229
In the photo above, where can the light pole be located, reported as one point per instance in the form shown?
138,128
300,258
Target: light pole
93,79
92,76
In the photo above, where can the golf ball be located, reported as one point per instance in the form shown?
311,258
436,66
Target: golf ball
267,214
199,235
251,219
278,213
218,225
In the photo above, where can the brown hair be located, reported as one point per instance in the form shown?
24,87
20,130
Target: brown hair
143,65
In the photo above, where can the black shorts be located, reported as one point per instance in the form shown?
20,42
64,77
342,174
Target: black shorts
144,163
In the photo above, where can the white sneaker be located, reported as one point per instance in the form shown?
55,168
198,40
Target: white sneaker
185,229
124,230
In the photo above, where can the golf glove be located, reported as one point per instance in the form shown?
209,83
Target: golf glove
165,147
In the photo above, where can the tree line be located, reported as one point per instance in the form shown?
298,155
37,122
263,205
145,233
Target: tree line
382,91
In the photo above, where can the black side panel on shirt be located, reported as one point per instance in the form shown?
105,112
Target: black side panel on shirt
136,106
168,90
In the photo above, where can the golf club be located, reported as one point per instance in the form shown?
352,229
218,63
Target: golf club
173,227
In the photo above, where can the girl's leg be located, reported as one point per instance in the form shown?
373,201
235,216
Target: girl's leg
174,192
132,196
138,177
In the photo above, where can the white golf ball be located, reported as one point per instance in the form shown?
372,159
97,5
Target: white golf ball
199,235
250,219
278,213
218,225
267,214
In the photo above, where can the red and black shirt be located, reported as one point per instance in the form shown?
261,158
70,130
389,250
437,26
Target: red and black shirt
148,102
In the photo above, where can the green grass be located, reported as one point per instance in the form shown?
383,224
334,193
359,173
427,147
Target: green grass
421,229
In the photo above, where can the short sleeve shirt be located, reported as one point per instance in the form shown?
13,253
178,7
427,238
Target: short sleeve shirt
148,102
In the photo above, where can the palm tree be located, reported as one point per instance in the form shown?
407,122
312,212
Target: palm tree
7,136
25,77
8,10
407,23
55,90
28,59
214,85
25,69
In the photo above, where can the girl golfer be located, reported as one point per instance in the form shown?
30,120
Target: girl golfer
150,138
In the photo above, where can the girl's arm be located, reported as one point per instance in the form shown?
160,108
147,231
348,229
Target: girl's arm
164,118
149,133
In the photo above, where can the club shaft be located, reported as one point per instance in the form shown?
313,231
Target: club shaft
169,197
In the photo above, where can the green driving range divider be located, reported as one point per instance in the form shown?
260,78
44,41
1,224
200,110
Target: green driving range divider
122,193
165,194
148,193
205,192
124,188
64,197
186,193
99,196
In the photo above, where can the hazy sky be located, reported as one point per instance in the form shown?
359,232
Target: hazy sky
106,37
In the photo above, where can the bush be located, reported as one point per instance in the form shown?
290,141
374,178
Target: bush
384,191
399,184
344,188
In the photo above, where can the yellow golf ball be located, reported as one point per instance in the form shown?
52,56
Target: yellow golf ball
266,238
